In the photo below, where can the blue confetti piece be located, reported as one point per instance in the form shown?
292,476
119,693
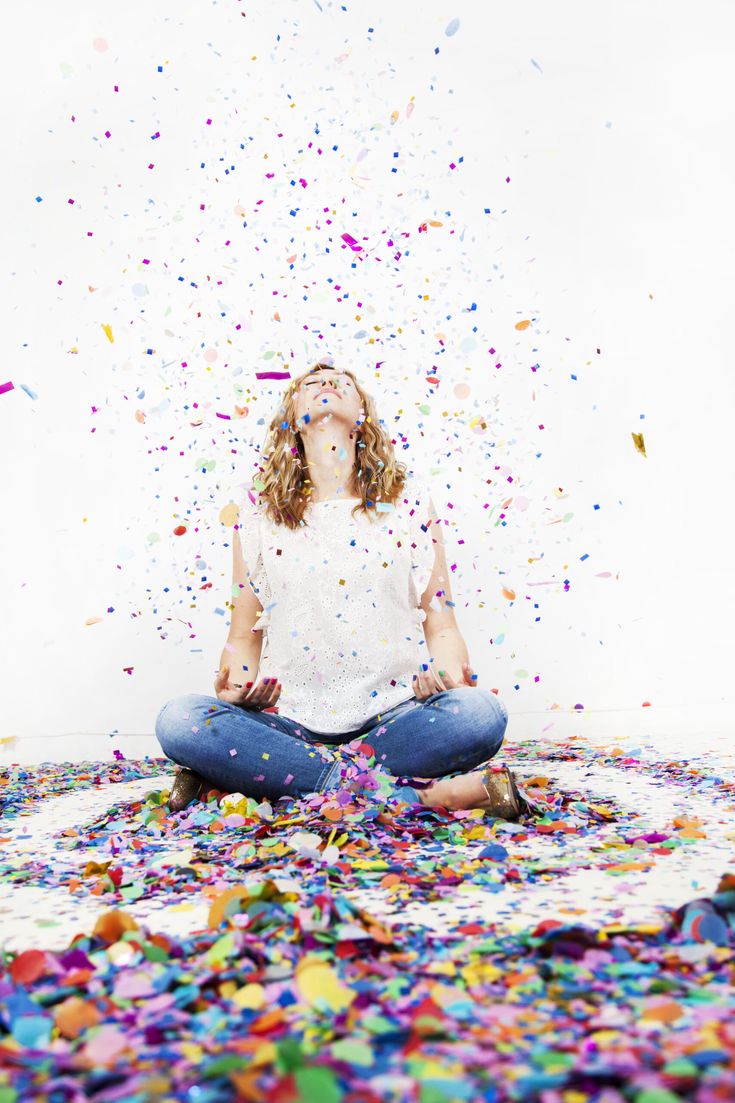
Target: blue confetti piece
495,851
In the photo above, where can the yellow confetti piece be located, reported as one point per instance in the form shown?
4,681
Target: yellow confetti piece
320,986
639,443
444,968
444,995
604,1037
229,514
264,1054
192,1051
250,997
108,333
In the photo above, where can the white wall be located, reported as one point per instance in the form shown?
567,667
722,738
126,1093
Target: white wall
615,232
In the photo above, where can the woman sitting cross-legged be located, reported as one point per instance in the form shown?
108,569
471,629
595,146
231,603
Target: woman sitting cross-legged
342,628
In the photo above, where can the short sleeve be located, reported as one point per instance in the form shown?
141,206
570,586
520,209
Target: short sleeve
419,535
250,531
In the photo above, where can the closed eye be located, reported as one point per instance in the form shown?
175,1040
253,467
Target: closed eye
315,383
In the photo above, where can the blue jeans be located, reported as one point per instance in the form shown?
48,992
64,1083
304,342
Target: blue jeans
275,756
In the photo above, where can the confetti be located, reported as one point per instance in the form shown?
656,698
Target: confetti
290,983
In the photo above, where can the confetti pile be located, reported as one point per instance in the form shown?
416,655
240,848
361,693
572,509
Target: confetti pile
293,989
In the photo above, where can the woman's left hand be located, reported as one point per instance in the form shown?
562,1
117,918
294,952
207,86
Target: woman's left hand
432,681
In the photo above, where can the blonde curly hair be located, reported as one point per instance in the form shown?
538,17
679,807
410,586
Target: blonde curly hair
283,495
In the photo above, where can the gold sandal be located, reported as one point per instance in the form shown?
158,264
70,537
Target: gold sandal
185,789
503,798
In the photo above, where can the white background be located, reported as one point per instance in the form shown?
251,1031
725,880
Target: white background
614,123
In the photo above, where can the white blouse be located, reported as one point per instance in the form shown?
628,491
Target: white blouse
341,621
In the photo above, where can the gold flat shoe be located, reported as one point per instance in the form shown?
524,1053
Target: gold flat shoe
503,798
184,790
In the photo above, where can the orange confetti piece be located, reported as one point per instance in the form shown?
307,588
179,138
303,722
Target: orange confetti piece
389,880
627,867
75,1015
523,325
111,925
227,904
667,1012
246,1085
510,594
95,867
267,1022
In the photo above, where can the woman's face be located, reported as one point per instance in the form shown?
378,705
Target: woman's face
327,393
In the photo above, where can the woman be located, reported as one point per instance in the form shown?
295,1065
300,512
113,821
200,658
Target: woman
340,563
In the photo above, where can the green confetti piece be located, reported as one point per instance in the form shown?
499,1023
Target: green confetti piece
230,1062
355,1053
378,1024
316,1084
221,949
131,892
682,1066
657,1095
437,1093
290,1055
554,1062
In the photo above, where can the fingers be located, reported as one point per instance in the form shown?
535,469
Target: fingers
275,692
263,695
427,682
469,675
441,687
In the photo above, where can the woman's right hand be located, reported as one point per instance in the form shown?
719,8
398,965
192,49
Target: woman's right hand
259,697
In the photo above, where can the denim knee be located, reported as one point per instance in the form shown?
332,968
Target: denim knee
171,718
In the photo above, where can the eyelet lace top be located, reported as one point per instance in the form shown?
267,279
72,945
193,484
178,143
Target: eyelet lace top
341,621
